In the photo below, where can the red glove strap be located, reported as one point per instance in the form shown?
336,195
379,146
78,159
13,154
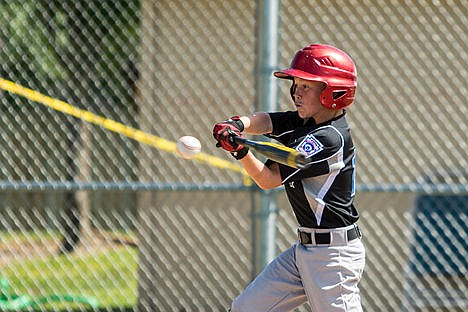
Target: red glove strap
223,133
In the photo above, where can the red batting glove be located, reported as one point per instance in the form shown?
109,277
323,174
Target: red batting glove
224,133
235,125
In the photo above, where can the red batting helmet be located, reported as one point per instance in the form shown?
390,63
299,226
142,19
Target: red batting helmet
330,65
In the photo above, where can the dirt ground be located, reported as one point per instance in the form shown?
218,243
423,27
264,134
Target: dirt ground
15,251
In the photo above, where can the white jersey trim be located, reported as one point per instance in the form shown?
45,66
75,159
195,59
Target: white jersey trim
280,135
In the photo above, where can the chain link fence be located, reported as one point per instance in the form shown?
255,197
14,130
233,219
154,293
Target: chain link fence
92,219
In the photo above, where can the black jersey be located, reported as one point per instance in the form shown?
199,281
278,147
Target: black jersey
322,194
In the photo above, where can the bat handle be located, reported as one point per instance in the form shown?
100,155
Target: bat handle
236,138
301,161
298,159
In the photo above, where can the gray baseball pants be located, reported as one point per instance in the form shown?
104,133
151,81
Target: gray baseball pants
326,276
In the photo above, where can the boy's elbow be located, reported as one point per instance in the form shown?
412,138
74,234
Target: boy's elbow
266,185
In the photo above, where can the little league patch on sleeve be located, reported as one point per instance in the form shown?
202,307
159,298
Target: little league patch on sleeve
310,146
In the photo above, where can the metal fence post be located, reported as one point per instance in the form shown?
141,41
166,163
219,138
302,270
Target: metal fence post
266,94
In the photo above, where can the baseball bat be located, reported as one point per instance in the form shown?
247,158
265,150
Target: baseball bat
277,152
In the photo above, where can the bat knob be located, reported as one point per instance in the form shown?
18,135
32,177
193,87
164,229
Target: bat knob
301,161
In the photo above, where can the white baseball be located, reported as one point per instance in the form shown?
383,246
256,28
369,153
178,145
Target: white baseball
188,146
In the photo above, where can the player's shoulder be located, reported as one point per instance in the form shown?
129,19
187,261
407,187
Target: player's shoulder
290,117
328,135
284,122
332,130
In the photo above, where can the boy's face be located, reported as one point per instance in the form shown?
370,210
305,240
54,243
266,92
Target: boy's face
307,98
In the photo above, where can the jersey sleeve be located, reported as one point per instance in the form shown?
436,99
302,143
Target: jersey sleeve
324,148
283,125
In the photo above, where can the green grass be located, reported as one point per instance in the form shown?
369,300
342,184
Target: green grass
110,277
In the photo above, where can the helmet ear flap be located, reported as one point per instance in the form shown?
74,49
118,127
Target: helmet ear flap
337,97
327,97
338,94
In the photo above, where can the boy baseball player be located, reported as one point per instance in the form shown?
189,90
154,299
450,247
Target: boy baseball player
325,265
